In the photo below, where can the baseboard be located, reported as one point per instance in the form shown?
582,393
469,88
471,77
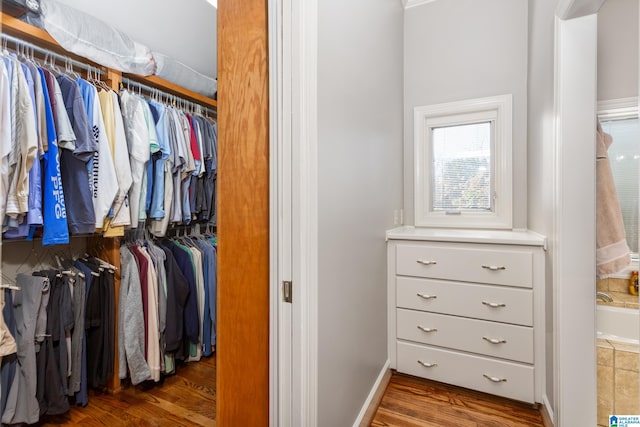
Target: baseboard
547,412
370,406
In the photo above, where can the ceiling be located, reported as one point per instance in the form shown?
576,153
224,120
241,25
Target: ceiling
185,30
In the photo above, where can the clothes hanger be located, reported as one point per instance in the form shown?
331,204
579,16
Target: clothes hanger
53,67
33,254
9,283
95,80
101,262
20,52
68,65
40,262
31,57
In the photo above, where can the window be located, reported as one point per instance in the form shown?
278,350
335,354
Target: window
463,164
620,120
461,167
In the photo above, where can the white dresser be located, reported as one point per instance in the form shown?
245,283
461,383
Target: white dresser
466,307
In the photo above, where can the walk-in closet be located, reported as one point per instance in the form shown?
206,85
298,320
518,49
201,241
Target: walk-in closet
135,206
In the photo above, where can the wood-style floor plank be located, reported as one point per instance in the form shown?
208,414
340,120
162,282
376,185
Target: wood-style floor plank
415,402
185,399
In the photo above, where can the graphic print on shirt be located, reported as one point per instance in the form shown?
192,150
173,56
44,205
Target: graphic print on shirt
93,184
58,195
93,180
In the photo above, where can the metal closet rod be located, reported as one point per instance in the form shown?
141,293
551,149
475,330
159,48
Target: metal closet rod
129,82
47,52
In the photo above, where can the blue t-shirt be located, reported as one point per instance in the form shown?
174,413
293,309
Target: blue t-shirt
157,208
56,230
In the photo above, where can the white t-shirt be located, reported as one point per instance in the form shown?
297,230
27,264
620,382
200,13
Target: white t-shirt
26,144
121,213
5,136
104,181
137,135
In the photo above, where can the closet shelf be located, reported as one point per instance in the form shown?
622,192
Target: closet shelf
39,239
27,32
35,35
172,88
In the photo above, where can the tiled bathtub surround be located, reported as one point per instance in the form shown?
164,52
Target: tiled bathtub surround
618,363
618,289
618,379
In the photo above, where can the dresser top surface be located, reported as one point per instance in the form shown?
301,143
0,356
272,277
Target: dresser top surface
508,237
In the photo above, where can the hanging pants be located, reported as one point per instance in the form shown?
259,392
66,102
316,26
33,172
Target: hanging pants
22,405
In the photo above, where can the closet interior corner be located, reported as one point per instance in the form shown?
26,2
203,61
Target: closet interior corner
108,245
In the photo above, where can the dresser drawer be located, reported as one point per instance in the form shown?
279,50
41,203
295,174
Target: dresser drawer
508,379
496,303
475,336
482,264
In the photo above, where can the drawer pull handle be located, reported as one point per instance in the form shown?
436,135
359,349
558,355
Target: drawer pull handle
494,304
494,267
423,329
428,365
423,262
495,379
494,340
425,296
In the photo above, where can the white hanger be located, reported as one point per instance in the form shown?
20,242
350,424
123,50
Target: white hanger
8,283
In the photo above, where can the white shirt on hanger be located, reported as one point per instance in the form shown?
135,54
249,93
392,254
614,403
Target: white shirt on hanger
137,135
104,181
121,212
5,136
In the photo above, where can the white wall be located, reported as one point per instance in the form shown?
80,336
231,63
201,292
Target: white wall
462,49
359,184
618,49
540,150
184,30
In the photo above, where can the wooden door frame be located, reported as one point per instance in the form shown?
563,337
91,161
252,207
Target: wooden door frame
243,202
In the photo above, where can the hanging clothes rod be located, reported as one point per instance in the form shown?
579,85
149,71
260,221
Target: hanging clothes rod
126,82
47,52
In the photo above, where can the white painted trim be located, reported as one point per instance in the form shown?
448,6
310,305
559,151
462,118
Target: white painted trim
497,109
612,109
614,104
546,406
413,3
273,223
539,324
570,9
280,324
372,393
304,67
574,222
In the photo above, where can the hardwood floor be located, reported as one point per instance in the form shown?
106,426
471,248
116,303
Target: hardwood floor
414,402
189,399
185,399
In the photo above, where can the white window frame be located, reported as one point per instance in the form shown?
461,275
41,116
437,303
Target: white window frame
497,109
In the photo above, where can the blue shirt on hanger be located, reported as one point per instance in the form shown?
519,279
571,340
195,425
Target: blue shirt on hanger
157,208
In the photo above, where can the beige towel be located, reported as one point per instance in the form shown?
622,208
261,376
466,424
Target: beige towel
612,252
